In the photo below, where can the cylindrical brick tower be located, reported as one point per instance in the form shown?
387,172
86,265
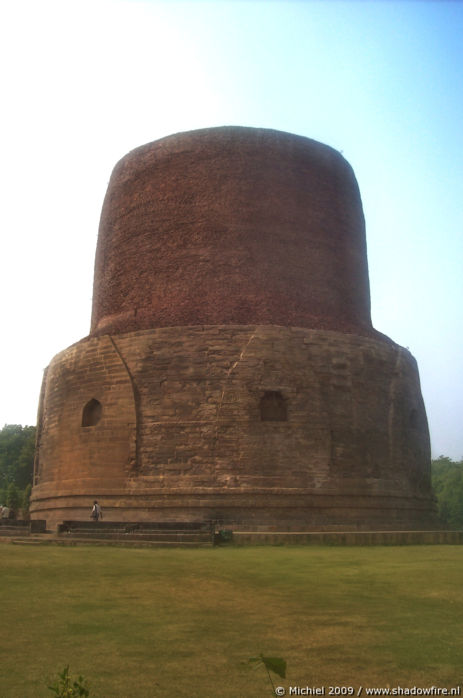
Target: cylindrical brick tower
232,226
232,371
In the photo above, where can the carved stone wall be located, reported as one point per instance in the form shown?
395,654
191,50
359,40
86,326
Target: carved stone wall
69,453
351,448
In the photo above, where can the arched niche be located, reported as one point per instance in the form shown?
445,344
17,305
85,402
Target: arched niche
273,407
91,414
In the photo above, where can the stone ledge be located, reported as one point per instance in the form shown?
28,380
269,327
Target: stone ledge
349,538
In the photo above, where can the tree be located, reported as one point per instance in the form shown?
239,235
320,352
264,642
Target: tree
26,500
447,482
17,444
13,498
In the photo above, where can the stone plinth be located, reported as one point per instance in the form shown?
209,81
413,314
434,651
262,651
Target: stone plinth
186,431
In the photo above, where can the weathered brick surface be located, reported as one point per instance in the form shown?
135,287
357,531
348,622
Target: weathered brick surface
232,226
354,448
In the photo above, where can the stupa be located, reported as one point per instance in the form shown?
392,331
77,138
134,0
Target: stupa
232,371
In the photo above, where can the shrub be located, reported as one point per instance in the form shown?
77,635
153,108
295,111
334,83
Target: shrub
65,687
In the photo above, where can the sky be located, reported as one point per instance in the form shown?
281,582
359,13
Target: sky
85,82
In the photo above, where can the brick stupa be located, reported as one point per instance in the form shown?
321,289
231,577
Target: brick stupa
232,371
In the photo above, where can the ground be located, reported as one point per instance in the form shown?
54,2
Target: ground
145,623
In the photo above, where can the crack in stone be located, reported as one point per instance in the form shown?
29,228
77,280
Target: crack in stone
135,458
229,372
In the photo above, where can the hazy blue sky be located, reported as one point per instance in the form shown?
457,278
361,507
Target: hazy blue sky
84,82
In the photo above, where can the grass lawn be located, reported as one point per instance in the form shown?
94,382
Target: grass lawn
151,622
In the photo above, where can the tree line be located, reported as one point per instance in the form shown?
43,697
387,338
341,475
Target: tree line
17,445
447,483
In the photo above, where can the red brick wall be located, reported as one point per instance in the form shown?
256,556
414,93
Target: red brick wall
232,226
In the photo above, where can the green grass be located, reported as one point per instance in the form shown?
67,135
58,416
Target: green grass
143,623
